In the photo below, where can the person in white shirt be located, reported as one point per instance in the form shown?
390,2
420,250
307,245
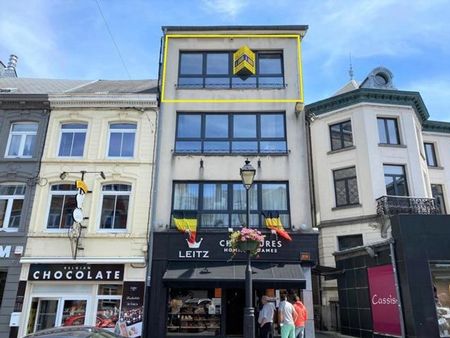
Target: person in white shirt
265,318
287,317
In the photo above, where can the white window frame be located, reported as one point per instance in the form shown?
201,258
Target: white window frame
106,297
115,193
73,130
10,199
123,131
23,135
56,193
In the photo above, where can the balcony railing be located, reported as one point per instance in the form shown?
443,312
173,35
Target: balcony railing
395,205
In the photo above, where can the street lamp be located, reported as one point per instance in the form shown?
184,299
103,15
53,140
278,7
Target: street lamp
247,176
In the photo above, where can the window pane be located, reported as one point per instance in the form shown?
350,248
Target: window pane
351,241
244,126
120,219
109,290
430,154
237,82
190,82
131,126
216,147
393,169
272,125
14,146
239,220
214,220
341,193
216,126
215,196
108,311
239,197
272,147
274,196
70,204
244,147
11,189
54,215
115,143
116,187
189,126
270,82
78,144
107,218
344,173
3,205
14,219
74,312
65,187
28,148
66,144
382,131
74,126
389,182
217,63
188,147
185,196
217,82
25,127
335,133
353,191
392,130
191,63
128,145
400,183
347,134
269,64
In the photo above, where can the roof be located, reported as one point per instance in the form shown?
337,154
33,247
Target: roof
351,85
436,126
38,86
235,28
118,87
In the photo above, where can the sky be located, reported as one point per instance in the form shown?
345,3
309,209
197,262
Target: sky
69,39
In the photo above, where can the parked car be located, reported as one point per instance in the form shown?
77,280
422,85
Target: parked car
74,332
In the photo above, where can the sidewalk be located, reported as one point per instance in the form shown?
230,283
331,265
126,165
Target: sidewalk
330,334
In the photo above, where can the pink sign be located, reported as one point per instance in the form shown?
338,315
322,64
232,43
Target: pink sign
383,300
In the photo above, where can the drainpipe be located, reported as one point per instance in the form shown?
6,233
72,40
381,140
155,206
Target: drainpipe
397,288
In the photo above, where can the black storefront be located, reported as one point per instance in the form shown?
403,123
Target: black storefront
418,255
200,291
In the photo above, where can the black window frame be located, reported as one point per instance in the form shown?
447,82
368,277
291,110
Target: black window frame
395,180
439,197
350,237
431,162
230,74
230,139
341,135
3,278
230,211
386,130
347,188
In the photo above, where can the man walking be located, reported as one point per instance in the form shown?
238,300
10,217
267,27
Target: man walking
287,317
265,318
302,316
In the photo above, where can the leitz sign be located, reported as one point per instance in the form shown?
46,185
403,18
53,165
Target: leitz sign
75,272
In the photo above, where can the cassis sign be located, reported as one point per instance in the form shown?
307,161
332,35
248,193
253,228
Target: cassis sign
75,272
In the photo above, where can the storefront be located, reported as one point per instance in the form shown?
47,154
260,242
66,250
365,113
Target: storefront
200,291
101,295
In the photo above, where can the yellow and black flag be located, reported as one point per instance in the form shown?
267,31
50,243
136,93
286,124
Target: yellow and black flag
186,222
273,222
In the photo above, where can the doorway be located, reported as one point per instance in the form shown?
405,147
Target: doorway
235,303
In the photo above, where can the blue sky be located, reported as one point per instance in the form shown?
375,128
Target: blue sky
68,38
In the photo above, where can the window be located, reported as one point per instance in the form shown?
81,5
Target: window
231,133
345,187
440,274
438,193
430,154
388,130
22,140
11,204
223,204
115,201
341,135
73,136
121,139
3,275
214,70
350,241
62,203
395,180
108,305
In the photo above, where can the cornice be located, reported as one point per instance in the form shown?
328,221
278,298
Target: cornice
103,101
436,126
24,101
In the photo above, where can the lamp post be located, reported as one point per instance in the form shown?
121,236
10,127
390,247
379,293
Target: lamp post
247,176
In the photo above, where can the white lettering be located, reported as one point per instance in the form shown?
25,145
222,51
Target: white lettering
108,274
5,251
390,300
79,275
36,275
193,254
46,275
58,275
69,274
117,275
89,275
99,275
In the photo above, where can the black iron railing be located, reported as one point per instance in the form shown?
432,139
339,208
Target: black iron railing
395,205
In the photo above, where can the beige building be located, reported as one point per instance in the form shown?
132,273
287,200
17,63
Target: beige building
87,245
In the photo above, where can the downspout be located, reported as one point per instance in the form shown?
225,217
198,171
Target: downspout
397,288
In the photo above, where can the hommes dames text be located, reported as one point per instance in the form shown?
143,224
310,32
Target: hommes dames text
269,246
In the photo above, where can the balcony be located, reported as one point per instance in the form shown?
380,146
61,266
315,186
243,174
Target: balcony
396,205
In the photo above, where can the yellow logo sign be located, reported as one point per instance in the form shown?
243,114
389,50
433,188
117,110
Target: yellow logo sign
82,185
244,62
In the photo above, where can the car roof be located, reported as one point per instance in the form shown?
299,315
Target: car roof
66,332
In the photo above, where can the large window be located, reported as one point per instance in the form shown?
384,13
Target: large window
341,135
430,154
22,140
223,204
214,70
349,241
73,136
438,193
108,305
121,139
231,133
395,180
388,130
11,204
440,273
345,187
115,202
62,204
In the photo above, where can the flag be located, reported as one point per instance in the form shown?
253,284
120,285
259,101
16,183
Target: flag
273,222
186,222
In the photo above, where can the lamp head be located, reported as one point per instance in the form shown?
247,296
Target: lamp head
63,175
102,174
247,174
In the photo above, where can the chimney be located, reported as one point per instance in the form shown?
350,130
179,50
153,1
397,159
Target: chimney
10,70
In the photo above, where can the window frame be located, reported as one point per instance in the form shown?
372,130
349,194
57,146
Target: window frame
431,146
341,135
23,136
353,236
58,193
61,131
9,204
439,197
123,130
258,139
346,180
204,75
395,180
230,211
386,130
115,193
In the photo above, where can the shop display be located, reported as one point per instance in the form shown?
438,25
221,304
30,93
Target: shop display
441,289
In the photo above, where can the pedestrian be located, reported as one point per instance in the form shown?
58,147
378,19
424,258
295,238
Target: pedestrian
287,317
265,318
301,318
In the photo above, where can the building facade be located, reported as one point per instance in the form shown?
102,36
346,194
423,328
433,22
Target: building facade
212,120
85,260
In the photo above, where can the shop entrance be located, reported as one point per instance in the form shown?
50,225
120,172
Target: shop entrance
235,303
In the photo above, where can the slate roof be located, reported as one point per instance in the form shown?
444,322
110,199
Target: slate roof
118,87
37,86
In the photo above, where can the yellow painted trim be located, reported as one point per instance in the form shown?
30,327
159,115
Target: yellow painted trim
177,36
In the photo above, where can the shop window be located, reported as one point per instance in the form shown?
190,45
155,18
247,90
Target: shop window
22,140
388,130
3,275
214,70
441,289
223,204
72,139
345,187
193,312
231,133
350,241
121,140
395,180
11,204
108,305
115,202
430,154
438,194
62,203
341,135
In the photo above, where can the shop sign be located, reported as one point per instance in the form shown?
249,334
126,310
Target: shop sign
5,251
383,300
131,315
75,272
244,62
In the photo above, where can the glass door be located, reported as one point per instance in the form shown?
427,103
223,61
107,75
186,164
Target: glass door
47,311
73,312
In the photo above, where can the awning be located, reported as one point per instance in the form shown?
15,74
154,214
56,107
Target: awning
233,274
327,271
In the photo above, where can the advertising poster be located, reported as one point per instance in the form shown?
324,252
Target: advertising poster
131,315
384,300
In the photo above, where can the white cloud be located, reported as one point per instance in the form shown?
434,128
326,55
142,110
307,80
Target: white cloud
229,8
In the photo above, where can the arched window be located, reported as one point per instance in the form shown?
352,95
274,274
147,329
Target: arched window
62,203
115,202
